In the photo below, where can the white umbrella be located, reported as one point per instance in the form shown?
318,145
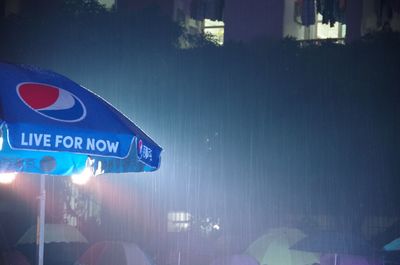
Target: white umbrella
54,233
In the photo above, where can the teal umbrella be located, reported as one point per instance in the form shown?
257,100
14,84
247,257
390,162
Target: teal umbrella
273,248
393,246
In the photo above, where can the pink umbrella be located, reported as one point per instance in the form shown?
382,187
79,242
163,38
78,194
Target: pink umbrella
235,260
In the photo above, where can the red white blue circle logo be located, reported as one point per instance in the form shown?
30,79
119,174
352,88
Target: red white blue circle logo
139,148
52,102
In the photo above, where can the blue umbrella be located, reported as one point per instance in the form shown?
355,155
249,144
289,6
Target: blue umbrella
49,125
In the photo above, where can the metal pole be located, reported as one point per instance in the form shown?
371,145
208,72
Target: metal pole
336,259
41,219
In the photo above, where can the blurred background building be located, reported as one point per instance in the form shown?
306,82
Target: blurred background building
229,20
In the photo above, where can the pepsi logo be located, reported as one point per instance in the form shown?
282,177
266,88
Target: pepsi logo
52,102
140,149
144,152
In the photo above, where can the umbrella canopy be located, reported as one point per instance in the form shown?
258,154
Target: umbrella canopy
335,243
392,246
51,125
54,233
235,260
64,243
273,248
113,252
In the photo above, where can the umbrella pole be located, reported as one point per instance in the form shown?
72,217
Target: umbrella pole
41,219
336,259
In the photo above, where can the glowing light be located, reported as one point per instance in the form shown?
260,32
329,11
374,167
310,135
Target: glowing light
90,171
83,177
7,178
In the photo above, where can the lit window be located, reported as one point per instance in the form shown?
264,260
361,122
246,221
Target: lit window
107,3
179,221
325,31
215,29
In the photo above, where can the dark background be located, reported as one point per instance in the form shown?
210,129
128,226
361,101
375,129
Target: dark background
252,133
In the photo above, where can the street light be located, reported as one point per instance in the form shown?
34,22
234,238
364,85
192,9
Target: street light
8,177
89,172
83,177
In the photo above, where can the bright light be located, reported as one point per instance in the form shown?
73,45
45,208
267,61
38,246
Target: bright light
1,142
83,177
7,178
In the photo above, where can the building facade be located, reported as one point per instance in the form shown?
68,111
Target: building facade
303,19
343,20
232,20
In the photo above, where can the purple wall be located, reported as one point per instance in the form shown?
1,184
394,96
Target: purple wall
353,19
246,20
